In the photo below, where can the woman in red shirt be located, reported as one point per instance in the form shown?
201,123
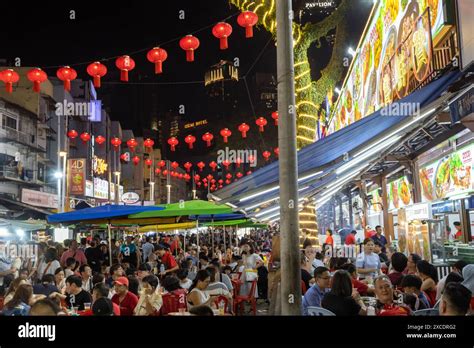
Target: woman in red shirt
427,272
329,239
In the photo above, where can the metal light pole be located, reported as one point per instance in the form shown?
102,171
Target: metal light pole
168,183
290,260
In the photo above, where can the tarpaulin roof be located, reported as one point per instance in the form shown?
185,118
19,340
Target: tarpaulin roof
194,207
102,212
25,225
226,223
327,154
167,227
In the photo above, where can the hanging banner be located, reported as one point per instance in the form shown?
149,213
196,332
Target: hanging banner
399,193
76,169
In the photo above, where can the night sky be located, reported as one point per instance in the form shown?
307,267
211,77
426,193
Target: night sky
43,35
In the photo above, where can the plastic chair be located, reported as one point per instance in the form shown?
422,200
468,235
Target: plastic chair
240,300
430,312
236,285
172,302
319,311
224,299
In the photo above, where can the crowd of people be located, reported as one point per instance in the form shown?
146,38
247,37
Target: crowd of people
162,274
148,275
381,281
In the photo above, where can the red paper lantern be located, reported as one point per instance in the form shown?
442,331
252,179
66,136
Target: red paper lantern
244,128
66,74
97,70
9,77
72,134
190,140
220,186
205,184
179,175
165,172
207,137
124,157
201,166
209,177
157,56
161,163
222,31
100,139
276,150
174,165
226,133
275,117
239,175
187,177
132,144
261,122
266,155
136,160
37,76
220,181
251,158
213,165
149,143
226,164
188,166
228,176
125,64
173,142
157,171
247,20
197,177
189,43
249,172
85,137
116,142
148,162
199,184
228,181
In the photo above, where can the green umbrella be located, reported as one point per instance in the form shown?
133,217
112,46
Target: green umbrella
194,207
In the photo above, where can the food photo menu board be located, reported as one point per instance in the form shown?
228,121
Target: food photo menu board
448,176
396,45
399,193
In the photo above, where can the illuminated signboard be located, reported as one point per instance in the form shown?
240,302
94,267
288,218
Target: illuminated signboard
448,176
399,193
195,124
99,165
396,45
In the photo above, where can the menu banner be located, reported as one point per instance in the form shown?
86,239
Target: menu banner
448,176
76,169
396,46
399,193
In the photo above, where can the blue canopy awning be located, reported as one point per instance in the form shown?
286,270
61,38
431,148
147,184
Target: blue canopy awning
326,154
102,212
218,217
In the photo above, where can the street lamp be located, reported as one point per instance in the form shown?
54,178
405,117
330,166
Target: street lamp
117,186
152,191
337,90
351,51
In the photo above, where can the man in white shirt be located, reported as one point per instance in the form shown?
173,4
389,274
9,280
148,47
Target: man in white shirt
147,249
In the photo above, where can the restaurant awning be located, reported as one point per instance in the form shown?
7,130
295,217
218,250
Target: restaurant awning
104,212
167,227
186,208
25,225
226,223
338,157
217,217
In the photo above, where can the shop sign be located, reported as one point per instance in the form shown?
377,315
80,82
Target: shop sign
99,165
76,169
462,107
449,176
419,211
376,201
397,45
130,197
89,188
399,193
101,188
39,199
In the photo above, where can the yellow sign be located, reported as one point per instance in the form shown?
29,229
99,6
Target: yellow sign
99,165
195,124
